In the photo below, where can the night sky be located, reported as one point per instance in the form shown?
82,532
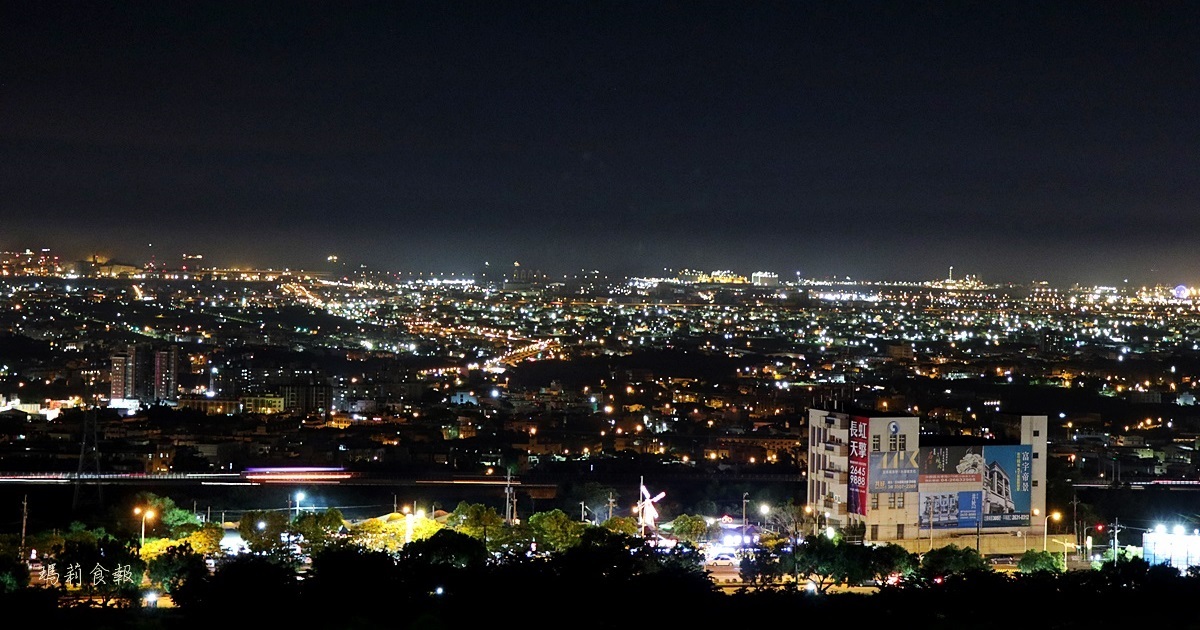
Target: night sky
1014,141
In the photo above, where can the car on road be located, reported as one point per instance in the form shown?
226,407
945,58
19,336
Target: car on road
723,559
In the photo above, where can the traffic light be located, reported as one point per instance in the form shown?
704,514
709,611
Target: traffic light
1099,527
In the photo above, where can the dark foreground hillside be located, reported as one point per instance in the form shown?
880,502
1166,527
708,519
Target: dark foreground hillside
981,604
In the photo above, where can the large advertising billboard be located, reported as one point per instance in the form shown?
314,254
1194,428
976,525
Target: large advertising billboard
894,471
960,484
950,510
857,501
951,464
1007,485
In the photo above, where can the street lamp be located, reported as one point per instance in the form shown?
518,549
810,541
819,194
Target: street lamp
1046,526
146,514
299,498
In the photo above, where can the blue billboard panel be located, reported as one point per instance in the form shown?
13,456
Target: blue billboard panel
1007,484
894,471
950,510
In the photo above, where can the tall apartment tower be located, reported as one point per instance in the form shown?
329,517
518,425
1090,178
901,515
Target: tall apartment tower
166,374
123,376
144,374
877,475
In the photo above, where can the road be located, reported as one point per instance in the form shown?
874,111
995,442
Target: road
729,579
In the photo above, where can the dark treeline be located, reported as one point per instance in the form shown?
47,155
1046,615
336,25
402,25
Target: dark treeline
607,581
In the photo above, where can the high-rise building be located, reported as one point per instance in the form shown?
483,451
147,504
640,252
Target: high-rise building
878,476
166,374
144,374
312,398
123,376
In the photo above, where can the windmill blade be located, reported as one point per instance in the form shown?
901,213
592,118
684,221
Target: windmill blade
645,492
658,496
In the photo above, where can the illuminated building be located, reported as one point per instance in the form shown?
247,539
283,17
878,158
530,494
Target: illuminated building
878,475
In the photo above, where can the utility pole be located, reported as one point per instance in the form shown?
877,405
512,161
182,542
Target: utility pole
930,523
979,532
509,502
979,513
24,519
611,501
745,497
1075,522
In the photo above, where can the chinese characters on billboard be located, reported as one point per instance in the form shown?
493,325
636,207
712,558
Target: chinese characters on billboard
857,501
960,484
894,471
975,486
951,464
1007,484
949,510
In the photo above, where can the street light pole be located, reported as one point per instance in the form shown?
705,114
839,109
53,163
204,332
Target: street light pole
1046,527
145,515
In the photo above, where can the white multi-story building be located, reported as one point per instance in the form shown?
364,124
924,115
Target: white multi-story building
877,475
764,279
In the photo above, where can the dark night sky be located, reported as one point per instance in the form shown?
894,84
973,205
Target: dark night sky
1016,141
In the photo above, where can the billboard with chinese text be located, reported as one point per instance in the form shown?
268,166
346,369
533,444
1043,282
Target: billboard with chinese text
894,471
995,480
1008,484
950,510
857,483
951,464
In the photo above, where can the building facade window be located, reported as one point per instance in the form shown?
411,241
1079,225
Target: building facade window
904,442
874,501
875,443
891,500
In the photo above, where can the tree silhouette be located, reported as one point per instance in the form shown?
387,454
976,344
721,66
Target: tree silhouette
248,575
177,570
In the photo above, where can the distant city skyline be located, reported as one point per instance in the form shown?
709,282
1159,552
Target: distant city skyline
333,266
1016,141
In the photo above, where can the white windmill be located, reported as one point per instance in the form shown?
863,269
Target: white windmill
646,511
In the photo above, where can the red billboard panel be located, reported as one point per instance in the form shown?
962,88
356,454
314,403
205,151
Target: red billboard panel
859,429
